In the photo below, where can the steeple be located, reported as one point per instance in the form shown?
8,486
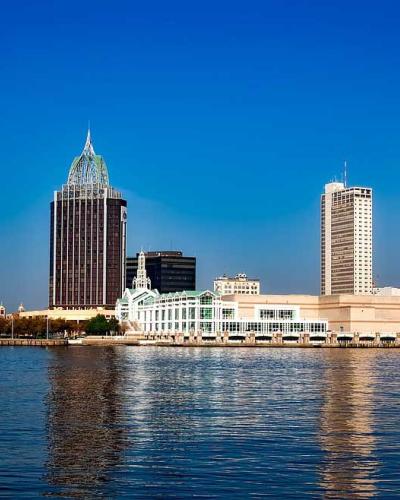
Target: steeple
141,280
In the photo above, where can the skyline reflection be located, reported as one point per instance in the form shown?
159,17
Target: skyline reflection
84,442
347,436
167,422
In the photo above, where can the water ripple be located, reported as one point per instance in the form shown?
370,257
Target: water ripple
177,422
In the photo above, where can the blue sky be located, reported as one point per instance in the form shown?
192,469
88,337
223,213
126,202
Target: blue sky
219,121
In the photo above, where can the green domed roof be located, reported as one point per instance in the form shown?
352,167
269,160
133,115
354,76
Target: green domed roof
88,168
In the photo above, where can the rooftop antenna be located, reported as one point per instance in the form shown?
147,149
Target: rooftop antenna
345,173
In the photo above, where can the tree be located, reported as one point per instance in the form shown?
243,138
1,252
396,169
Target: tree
97,325
4,325
113,325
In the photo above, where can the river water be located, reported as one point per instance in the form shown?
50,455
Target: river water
147,422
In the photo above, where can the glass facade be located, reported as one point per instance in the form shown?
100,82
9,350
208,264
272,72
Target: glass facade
212,316
168,271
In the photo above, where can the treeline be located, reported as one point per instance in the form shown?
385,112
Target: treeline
37,327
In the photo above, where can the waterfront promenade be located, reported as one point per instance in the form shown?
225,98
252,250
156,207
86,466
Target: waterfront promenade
332,341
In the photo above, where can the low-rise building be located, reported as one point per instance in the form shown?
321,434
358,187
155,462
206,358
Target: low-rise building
212,314
69,314
239,284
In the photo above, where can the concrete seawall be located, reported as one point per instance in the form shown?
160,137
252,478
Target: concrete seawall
33,342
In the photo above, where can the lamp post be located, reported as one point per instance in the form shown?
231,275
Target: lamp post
47,327
12,327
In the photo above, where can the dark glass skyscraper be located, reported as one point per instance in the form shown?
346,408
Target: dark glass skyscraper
87,237
168,271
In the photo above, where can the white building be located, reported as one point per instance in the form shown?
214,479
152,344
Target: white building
346,240
211,315
387,291
127,306
237,285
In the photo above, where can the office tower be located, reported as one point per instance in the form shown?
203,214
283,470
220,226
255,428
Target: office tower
87,237
240,284
346,240
168,271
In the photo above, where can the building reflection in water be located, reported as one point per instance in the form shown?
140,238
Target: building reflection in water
84,440
347,424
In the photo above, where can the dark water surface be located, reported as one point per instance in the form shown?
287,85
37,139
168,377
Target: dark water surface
178,422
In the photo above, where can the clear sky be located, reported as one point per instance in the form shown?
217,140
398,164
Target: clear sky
220,122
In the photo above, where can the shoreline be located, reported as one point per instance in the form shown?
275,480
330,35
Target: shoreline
106,342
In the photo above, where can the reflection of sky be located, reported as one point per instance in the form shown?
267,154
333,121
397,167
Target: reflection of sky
221,414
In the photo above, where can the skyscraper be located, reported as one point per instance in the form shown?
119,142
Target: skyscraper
346,240
87,237
169,271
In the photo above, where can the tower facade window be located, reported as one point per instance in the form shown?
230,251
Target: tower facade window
346,240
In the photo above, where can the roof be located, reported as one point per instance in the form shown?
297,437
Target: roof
189,293
88,168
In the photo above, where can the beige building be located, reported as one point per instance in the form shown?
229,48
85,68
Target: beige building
344,313
346,240
240,284
69,314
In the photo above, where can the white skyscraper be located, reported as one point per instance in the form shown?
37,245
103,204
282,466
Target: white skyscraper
346,240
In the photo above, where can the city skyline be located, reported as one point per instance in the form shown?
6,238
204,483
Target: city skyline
221,140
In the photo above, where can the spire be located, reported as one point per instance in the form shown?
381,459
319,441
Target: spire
88,168
345,173
88,149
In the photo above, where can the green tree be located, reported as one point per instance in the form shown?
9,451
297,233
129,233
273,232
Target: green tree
97,325
113,325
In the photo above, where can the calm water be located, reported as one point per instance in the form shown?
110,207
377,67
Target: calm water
173,422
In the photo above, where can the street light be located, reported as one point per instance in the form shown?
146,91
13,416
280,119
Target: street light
47,327
12,327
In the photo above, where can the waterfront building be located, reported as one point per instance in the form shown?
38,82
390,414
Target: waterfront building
238,284
2,311
87,237
212,314
364,315
168,271
346,240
